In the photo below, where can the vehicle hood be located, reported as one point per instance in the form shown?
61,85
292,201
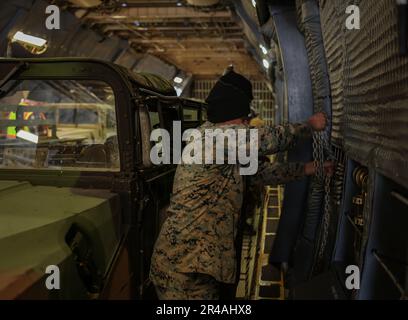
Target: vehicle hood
34,221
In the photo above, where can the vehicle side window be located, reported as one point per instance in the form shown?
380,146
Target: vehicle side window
154,119
204,115
190,114
59,125
190,117
169,115
155,115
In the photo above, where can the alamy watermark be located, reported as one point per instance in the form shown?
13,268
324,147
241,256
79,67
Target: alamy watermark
52,282
207,146
353,19
53,20
352,22
353,280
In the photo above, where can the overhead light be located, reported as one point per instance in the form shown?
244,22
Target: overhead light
33,44
28,136
124,4
179,4
264,51
254,3
178,80
265,63
35,41
119,17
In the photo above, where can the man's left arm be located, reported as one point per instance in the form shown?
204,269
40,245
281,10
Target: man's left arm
283,137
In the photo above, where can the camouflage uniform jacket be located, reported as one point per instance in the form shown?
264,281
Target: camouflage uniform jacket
198,234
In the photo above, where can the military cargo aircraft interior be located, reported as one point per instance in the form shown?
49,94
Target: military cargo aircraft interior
204,150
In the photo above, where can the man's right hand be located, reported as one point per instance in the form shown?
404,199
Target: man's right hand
318,121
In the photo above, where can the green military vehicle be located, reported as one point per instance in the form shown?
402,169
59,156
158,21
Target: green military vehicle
78,190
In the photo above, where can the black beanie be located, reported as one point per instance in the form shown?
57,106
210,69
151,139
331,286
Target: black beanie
230,98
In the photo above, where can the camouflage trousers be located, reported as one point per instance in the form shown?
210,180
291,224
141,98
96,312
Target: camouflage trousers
184,286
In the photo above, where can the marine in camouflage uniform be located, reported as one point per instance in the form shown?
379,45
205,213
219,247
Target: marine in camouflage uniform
195,250
199,232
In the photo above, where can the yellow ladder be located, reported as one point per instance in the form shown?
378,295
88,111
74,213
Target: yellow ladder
269,213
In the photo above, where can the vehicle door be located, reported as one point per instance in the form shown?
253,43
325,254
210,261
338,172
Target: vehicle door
157,179
69,196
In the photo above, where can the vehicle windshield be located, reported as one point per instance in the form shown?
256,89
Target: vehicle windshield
58,124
